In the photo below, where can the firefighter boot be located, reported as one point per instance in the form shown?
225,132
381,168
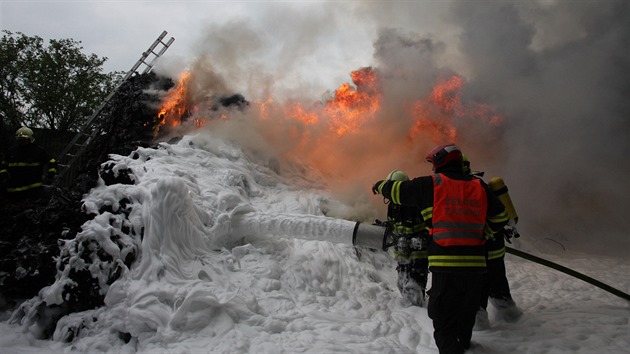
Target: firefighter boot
481,320
506,309
410,290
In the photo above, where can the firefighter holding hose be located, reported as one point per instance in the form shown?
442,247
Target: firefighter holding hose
460,212
410,237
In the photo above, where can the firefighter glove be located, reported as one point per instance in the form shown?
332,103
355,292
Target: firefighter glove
376,186
510,232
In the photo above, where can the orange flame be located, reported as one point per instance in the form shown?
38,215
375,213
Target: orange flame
175,105
296,111
347,132
351,107
438,113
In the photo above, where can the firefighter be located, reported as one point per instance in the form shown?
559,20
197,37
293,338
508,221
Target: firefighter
22,170
410,246
460,211
496,286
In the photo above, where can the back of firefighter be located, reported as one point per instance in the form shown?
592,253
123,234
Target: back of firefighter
23,168
460,211
410,248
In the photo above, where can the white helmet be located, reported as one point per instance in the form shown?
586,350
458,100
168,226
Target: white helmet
24,133
397,175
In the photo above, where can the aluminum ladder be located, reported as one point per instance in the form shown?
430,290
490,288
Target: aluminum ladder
76,147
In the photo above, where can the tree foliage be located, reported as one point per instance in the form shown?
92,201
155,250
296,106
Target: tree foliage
52,86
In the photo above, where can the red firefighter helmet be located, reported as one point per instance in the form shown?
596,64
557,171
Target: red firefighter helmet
444,154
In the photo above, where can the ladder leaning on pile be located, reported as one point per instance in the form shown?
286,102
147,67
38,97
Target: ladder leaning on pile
70,155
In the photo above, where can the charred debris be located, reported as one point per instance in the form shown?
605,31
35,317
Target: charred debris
38,241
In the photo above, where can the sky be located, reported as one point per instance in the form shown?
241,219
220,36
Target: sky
554,70
240,255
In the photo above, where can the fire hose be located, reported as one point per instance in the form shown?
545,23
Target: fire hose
568,271
373,236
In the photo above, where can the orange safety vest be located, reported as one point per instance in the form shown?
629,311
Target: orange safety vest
459,211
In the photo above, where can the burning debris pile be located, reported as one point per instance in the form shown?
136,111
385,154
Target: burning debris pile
33,232
54,243
29,243
140,114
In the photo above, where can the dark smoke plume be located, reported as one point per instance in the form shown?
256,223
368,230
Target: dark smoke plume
555,71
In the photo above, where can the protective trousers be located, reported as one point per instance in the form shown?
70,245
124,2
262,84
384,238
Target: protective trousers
453,303
412,280
496,284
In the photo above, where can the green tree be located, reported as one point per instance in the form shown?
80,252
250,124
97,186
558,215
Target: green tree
54,86
14,53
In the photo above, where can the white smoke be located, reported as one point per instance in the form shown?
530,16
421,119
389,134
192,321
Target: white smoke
555,70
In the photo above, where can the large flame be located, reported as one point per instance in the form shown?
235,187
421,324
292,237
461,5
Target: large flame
178,106
352,107
175,105
349,133
349,108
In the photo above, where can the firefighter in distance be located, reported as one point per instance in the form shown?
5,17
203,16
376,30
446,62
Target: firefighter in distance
25,168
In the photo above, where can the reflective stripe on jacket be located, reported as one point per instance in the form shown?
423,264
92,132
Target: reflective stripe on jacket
419,192
24,167
407,222
495,247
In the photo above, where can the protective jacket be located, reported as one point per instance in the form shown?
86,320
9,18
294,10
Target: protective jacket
23,168
495,247
495,244
484,214
407,223
405,220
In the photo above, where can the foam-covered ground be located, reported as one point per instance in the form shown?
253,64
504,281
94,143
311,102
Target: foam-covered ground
201,283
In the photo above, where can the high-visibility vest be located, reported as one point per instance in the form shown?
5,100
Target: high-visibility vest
459,212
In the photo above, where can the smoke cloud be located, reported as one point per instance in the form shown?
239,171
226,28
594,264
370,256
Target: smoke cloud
555,72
